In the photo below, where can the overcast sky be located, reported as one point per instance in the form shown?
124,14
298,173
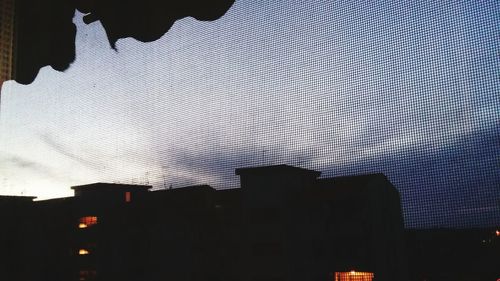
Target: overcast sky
407,89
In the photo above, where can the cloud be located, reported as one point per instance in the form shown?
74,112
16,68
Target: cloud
452,185
24,167
66,151
437,184
23,163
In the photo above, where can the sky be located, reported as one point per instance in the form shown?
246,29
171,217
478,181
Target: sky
408,89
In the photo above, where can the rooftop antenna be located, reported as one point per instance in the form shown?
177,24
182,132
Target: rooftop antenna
164,181
146,178
164,175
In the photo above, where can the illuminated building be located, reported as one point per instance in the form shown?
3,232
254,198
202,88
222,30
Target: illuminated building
284,223
6,40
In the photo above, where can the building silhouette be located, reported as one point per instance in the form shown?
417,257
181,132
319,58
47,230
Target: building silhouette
284,223
6,40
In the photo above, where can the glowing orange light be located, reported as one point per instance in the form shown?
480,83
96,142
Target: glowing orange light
128,196
354,276
83,252
497,233
88,221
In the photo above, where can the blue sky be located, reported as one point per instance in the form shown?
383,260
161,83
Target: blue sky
407,89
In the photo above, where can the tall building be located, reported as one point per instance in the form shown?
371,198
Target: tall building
6,40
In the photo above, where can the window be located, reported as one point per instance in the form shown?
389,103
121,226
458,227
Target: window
353,276
86,222
83,252
128,196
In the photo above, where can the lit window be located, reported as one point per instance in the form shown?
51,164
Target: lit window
87,221
353,276
128,196
83,252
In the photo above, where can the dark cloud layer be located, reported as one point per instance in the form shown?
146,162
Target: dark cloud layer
454,186
20,164
50,141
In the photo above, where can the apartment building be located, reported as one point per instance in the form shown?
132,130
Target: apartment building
284,223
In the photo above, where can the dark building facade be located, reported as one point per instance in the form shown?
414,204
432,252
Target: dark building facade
7,39
17,215
453,254
284,223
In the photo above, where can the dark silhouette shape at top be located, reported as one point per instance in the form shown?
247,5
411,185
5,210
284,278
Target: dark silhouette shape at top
45,33
148,20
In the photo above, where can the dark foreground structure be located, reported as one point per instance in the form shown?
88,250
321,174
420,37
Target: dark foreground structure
284,223
450,254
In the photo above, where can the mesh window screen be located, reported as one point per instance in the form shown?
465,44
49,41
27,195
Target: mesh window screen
408,89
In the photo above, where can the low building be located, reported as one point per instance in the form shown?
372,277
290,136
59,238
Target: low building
284,223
